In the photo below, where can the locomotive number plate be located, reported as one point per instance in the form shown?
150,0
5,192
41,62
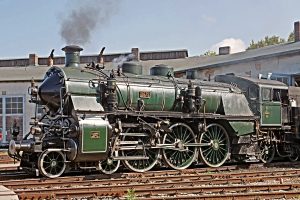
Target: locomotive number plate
95,134
145,95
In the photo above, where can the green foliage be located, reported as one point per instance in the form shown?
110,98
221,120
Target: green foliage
210,53
271,41
291,37
266,42
131,195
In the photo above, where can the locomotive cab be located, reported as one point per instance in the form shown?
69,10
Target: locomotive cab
267,98
273,105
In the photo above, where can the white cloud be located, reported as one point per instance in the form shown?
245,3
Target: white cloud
236,45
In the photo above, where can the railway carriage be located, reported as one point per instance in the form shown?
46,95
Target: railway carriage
96,119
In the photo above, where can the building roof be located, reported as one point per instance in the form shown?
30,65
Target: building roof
245,56
17,73
20,70
21,74
60,60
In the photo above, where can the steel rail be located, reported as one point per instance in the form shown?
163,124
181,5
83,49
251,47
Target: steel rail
154,189
124,178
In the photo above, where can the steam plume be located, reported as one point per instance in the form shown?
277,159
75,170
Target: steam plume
118,62
78,25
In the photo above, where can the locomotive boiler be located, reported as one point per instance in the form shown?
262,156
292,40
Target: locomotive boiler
96,119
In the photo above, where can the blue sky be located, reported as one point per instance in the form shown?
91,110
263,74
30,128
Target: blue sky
34,26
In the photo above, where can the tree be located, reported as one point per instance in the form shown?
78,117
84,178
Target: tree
210,53
266,42
291,37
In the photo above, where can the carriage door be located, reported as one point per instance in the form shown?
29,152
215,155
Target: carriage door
270,108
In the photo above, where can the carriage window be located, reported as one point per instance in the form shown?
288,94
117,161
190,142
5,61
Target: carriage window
266,94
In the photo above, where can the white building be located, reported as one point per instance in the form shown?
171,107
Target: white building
14,99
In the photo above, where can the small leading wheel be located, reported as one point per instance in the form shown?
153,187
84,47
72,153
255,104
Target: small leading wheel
181,153
109,165
267,152
52,163
143,150
216,152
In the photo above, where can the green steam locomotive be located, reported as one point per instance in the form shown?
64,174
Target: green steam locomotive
97,119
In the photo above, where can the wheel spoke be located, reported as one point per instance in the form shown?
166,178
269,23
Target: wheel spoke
209,152
173,139
213,156
206,149
193,139
47,167
222,149
187,137
205,140
208,134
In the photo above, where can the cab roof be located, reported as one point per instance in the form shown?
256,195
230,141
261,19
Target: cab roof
236,80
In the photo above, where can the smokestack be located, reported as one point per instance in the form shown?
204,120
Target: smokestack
136,53
297,31
72,58
224,50
33,60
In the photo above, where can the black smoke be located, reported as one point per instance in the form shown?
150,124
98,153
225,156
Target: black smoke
84,17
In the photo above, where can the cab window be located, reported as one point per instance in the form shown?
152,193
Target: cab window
266,94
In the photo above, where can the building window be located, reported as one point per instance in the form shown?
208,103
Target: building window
14,105
12,117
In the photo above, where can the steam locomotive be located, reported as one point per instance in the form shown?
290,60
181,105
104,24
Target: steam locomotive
94,119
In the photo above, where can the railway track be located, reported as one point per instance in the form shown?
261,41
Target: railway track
7,163
5,159
203,183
